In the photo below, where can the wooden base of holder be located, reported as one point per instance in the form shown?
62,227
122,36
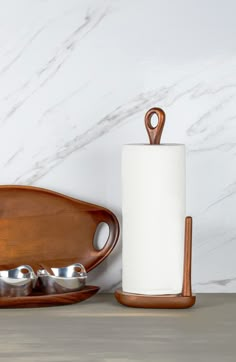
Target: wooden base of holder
154,301
183,300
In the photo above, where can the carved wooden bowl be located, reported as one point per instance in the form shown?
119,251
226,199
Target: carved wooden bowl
42,227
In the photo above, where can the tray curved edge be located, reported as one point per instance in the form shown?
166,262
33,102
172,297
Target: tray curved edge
52,300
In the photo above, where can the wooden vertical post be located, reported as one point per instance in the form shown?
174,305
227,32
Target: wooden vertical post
187,289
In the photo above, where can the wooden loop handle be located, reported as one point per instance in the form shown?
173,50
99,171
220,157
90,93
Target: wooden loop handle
110,219
106,216
154,133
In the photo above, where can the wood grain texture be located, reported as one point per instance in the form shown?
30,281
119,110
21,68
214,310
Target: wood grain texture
154,301
42,300
102,330
187,288
154,133
39,226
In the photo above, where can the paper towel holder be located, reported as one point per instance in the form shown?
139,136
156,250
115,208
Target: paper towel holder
168,301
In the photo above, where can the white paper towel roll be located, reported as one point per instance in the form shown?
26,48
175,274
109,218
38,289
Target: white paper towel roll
153,206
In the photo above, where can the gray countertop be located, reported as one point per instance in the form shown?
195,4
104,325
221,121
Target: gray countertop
99,329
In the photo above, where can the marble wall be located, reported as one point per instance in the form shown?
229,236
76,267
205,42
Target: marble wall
76,78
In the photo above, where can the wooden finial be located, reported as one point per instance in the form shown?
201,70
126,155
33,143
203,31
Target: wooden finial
154,133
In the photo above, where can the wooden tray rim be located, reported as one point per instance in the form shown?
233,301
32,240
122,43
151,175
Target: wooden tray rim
52,192
49,300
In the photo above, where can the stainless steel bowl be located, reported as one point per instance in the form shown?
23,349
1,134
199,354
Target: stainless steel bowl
64,280
17,282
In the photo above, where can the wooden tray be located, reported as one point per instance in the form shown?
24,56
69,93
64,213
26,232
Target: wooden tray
39,226
41,300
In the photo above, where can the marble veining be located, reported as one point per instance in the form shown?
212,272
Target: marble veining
76,78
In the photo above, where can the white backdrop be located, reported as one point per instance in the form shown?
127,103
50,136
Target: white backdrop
76,78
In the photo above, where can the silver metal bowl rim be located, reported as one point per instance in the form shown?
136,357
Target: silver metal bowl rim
27,276
81,275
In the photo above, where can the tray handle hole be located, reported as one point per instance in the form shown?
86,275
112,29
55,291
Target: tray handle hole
101,236
154,121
